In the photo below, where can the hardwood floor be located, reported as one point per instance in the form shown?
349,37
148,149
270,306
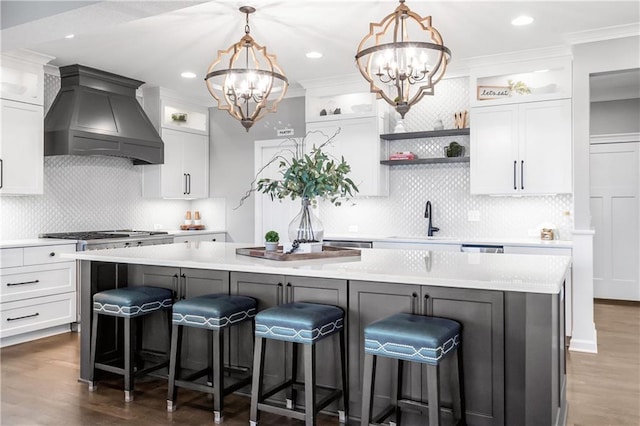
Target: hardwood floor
39,387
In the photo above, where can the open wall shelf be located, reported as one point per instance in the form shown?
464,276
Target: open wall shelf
426,161
424,134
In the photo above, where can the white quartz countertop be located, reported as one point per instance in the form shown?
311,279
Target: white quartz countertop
522,242
34,242
505,272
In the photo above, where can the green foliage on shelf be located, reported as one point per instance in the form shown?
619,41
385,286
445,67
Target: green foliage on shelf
271,237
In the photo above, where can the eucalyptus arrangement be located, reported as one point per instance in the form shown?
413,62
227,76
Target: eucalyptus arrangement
308,176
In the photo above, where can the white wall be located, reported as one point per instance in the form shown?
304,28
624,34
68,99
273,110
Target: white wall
619,116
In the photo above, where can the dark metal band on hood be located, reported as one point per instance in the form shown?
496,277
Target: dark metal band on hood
96,113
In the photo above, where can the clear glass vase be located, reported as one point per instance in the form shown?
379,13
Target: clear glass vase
306,227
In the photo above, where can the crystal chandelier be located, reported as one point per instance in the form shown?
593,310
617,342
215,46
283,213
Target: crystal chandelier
402,57
252,84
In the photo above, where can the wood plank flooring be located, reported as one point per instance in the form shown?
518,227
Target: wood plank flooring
39,387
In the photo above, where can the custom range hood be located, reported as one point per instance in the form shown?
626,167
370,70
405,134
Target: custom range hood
96,113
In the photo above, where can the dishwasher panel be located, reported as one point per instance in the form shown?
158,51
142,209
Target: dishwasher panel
481,248
349,244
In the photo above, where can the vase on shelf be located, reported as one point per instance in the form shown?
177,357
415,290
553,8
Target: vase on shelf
305,226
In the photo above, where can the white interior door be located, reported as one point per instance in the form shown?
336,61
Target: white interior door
614,211
272,215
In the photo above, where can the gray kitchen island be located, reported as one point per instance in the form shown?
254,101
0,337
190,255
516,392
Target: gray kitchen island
511,308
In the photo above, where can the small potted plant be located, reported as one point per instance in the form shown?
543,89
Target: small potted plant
271,240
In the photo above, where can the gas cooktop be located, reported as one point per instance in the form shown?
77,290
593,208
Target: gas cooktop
101,235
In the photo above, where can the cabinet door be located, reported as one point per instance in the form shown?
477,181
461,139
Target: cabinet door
329,292
369,302
545,147
196,164
172,175
155,326
359,142
494,153
21,148
481,314
195,341
268,290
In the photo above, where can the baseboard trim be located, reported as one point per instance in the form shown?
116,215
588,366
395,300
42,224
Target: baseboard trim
587,346
34,335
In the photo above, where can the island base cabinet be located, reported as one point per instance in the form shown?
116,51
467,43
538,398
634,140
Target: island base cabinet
535,359
481,314
273,290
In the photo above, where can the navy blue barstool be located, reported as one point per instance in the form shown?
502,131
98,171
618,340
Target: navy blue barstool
414,338
305,324
214,312
129,303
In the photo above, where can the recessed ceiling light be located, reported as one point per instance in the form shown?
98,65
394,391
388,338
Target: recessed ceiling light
70,36
522,20
188,74
314,55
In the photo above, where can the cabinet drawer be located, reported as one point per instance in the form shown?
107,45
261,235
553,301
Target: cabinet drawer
37,314
11,257
36,281
47,254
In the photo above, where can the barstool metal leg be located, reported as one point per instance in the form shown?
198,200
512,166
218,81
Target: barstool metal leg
343,416
433,389
94,342
257,382
310,384
397,389
457,383
174,367
218,376
368,384
129,344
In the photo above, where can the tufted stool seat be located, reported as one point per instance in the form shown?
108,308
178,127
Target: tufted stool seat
213,312
414,338
306,324
128,303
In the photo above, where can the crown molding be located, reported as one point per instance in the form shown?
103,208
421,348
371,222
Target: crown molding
28,56
519,56
600,34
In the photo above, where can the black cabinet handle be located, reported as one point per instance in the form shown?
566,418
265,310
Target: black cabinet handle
176,285
184,175
515,185
23,317
213,239
289,293
53,253
279,294
189,182
1,173
184,286
522,174
414,299
425,305
23,283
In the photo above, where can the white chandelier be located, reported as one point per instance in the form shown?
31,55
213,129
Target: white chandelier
252,84
402,57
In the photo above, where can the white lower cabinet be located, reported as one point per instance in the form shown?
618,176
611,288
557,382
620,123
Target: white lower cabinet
220,237
21,148
522,149
37,293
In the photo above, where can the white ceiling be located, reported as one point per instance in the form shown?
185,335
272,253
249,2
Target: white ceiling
155,41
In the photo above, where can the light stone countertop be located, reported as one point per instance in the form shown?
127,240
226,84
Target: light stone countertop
505,272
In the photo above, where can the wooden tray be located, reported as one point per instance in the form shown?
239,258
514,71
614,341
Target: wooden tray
327,252
191,227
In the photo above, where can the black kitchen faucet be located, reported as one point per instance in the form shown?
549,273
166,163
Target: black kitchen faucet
427,214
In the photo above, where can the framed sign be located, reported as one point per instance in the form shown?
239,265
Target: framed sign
493,92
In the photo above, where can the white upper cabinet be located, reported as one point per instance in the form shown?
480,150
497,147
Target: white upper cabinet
519,149
360,145
184,129
359,116
22,134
